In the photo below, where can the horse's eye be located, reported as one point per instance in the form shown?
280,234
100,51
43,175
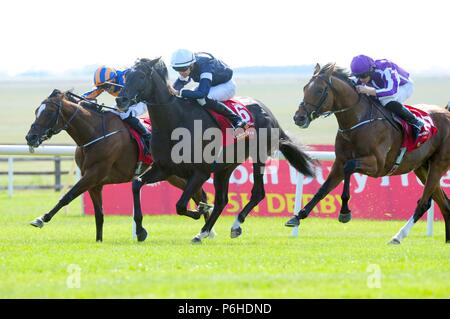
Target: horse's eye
319,92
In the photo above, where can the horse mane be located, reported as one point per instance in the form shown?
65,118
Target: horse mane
157,64
69,97
339,72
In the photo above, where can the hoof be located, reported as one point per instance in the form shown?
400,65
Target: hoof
99,240
212,234
236,232
141,236
196,241
293,222
345,218
38,222
394,241
205,209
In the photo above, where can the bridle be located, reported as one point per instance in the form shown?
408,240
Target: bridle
136,99
49,132
317,112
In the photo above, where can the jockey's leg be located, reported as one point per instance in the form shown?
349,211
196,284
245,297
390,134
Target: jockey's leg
135,123
222,109
406,114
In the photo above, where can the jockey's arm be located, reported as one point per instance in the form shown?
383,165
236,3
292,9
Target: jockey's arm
392,82
93,94
180,83
202,90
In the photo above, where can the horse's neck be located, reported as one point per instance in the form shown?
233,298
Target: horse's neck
164,111
84,126
348,98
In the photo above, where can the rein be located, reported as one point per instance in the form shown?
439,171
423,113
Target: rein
58,114
91,102
51,131
316,113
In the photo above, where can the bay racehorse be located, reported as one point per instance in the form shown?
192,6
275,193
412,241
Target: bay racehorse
368,142
148,81
105,154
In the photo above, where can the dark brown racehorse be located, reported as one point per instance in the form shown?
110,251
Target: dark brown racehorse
147,81
368,143
106,154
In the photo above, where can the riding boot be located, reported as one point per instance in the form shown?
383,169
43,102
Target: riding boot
222,109
400,110
142,130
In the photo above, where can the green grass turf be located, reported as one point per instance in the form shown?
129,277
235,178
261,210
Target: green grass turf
328,260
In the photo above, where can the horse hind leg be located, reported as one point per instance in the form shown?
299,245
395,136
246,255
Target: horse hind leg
444,205
430,178
258,195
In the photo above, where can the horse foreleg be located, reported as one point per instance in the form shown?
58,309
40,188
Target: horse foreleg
335,177
221,180
96,196
87,181
153,175
141,233
258,195
197,196
366,165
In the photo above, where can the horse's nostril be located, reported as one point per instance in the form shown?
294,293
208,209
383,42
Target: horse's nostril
31,138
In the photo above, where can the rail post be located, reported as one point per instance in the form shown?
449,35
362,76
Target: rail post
58,186
10,176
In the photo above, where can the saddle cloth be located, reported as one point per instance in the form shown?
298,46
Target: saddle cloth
239,106
428,130
145,158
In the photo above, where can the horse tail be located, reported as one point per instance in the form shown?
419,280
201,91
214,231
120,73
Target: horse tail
297,157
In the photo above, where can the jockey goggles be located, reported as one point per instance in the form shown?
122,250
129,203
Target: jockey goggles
181,68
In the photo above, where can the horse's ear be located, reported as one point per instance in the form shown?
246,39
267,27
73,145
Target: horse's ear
154,61
330,70
316,69
55,93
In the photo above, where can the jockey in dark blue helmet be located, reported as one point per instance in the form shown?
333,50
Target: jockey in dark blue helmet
214,78
388,82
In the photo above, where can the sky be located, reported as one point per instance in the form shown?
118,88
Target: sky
60,35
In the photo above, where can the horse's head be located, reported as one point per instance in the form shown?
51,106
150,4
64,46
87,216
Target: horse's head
47,121
138,84
318,96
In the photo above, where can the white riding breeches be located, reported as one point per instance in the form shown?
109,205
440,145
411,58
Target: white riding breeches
404,92
135,110
223,92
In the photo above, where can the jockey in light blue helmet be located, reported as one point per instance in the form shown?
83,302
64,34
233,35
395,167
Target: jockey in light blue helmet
214,78
389,83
